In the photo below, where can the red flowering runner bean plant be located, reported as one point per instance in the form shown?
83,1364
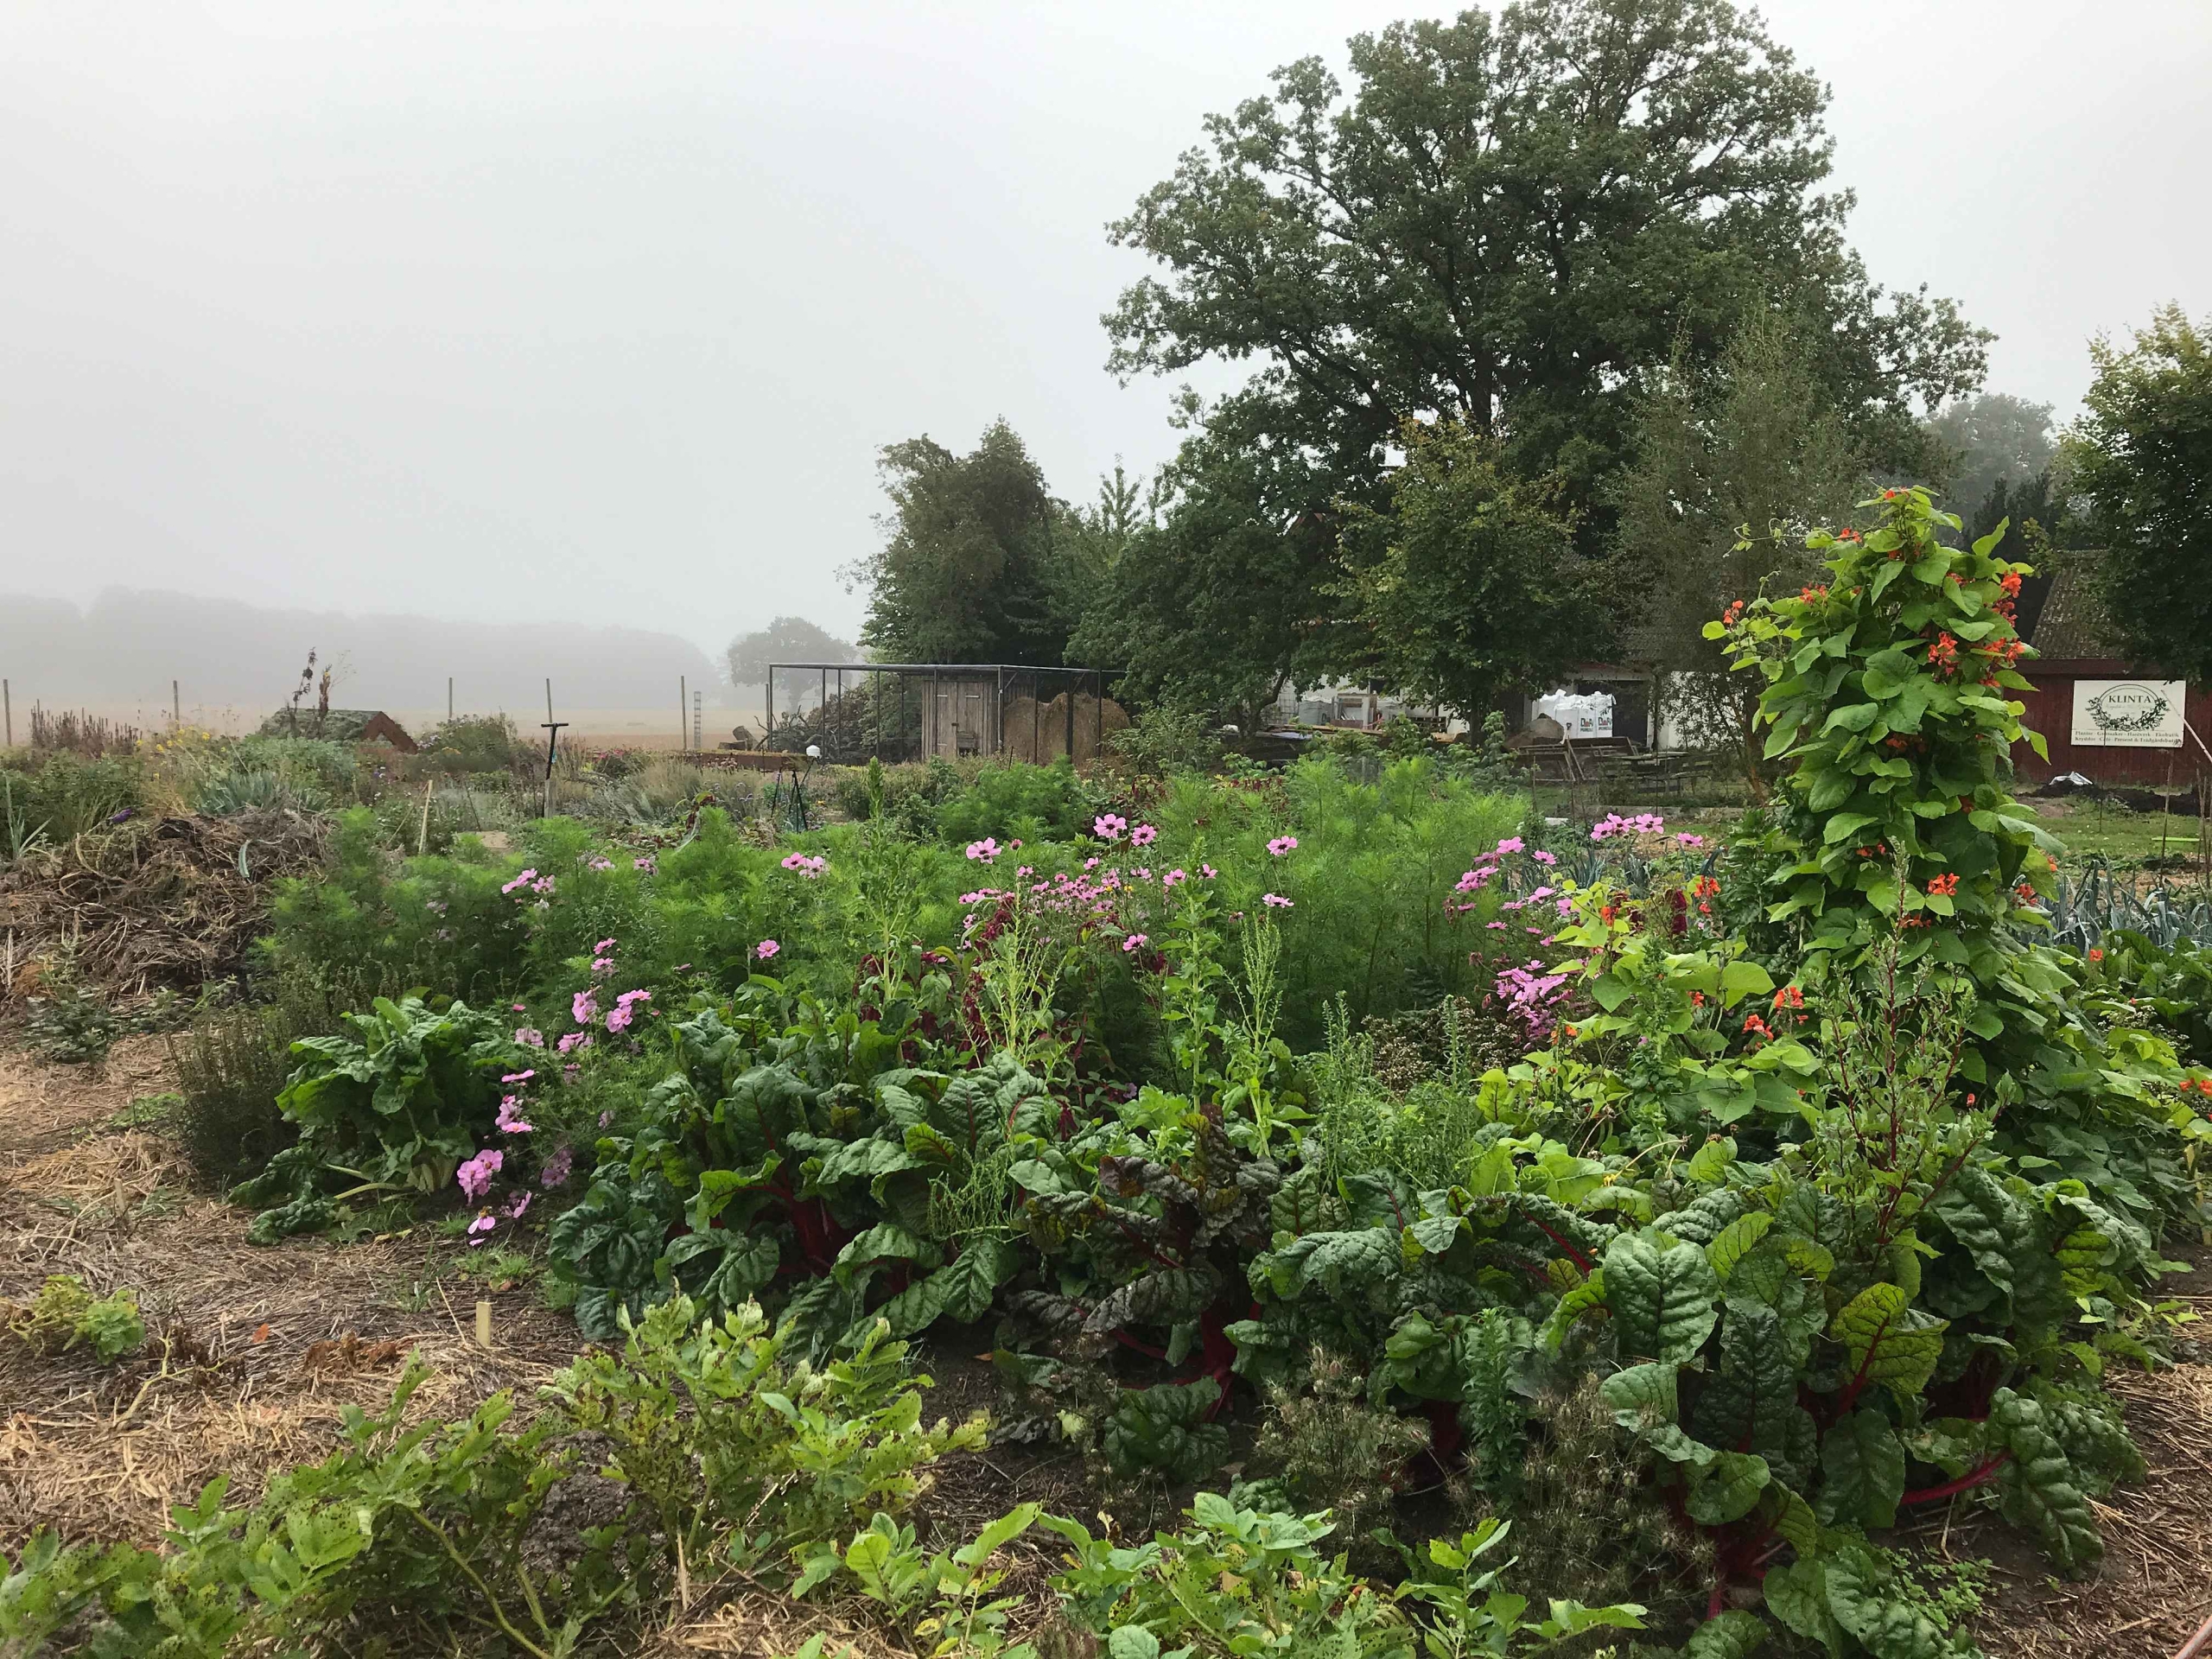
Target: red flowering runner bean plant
1888,694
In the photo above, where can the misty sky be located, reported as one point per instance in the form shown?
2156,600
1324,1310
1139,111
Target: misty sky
601,313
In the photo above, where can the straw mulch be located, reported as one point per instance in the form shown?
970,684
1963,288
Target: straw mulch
172,902
2154,1587
43,1106
253,1354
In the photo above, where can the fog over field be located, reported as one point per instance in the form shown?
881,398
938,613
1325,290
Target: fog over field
574,312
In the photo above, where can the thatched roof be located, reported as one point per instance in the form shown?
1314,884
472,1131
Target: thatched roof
2070,625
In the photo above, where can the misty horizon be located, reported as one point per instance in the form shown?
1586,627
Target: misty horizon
567,316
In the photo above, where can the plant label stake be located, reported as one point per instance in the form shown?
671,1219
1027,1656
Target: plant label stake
483,1322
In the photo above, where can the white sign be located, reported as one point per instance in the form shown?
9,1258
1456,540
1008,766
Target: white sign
2128,713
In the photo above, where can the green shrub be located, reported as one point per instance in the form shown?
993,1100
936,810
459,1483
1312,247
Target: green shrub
1163,741
1367,880
71,1020
726,1442
720,1451
473,743
1013,800
232,1065
66,795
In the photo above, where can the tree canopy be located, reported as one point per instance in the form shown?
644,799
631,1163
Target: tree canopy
1754,446
786,639
967,573
1468,582
1993,440
1508,223
2141,461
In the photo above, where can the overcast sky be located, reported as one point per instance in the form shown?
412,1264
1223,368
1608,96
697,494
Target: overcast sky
601,313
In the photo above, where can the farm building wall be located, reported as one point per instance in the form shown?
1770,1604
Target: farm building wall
2049,709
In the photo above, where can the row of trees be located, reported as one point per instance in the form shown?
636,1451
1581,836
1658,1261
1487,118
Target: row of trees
1539,310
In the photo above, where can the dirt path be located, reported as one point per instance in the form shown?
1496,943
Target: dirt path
249,1366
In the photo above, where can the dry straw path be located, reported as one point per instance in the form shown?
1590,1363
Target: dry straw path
255,1352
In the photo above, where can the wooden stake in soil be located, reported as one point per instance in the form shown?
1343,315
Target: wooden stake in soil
176,708
552,742
683,712
8,705
483,1322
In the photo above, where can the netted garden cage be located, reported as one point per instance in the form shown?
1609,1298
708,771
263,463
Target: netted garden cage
913,711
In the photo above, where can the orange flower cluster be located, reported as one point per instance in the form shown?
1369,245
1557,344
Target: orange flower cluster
1943,885
1790,996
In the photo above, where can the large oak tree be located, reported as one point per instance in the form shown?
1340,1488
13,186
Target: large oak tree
1508,223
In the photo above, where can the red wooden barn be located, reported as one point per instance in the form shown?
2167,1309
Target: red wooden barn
2084,689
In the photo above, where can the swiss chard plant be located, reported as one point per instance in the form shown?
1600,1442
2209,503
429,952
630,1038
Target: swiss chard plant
394,1104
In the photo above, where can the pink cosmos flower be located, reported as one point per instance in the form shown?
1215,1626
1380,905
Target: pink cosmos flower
1283,844
1274,901
1687,840
1143,836
603,947
510,1123
557,1168
573,1041
583,1007
644,864
483,1223
1174,878
530,1036
1134,942
766,949
1108,826
1510,844
522,881
517,1008
1208,871
518,1076
1543,857
517,1204
984,851
475,1175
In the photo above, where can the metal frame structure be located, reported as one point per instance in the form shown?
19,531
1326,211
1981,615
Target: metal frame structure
991,684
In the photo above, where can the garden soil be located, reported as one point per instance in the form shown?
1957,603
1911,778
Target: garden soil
256,1353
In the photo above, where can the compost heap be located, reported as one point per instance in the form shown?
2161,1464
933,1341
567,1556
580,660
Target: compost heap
172,902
